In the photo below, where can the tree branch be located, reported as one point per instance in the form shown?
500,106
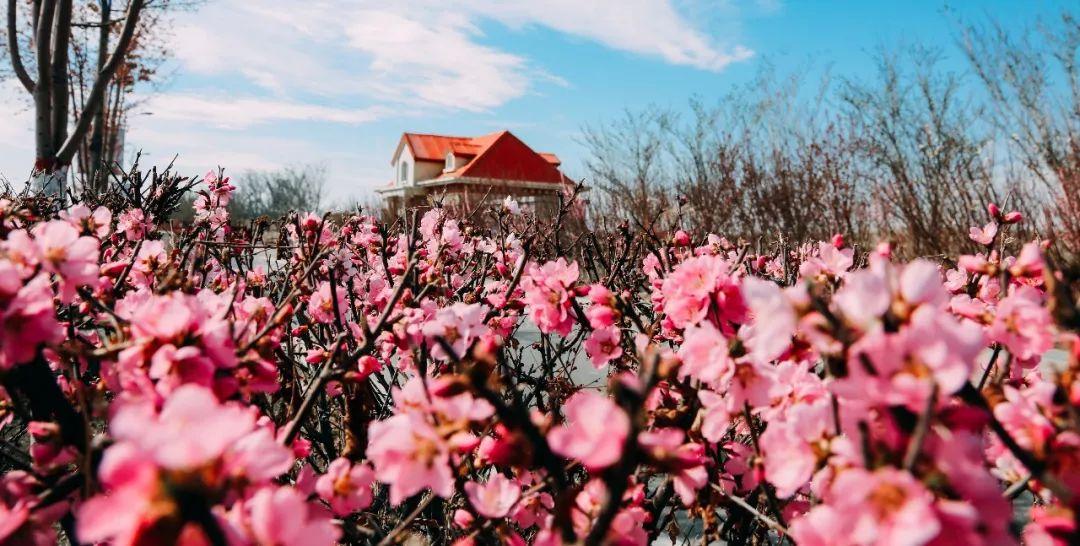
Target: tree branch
97,92
13,49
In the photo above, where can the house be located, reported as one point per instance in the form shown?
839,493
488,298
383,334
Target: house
468,172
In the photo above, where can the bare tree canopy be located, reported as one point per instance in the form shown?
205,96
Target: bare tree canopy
908,154
276,193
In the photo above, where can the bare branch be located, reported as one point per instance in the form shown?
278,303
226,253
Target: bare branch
13,48
97,92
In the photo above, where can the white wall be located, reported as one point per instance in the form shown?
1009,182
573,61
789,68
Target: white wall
405,158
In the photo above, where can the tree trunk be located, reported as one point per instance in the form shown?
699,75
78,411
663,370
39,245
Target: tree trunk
97,135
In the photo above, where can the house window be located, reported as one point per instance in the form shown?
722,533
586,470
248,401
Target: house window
449,162
404,172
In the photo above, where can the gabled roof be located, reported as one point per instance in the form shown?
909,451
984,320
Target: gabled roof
495,156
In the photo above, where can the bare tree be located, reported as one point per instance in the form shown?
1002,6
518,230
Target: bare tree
276,193
1034,92
626,164
924,149
58,136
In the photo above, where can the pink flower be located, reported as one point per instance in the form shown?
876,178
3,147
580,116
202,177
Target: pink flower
791,447
774,319
127,513
495,498
132,223
1023,324
717,416
148,262
685,461
23,521
601,313
934,348
547,295
282,516
459,325
697,285
1030,262
368,365
829,261
72,258
321,304
1050,526
411,456
704,355
602,346
920,282
886,507
594,431
96,223
191,430
27,317
345,486
985,235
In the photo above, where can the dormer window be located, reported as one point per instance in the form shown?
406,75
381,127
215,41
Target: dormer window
449,162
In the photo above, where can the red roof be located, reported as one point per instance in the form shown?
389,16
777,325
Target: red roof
498,156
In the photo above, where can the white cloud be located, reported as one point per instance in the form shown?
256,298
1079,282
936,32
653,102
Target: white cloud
647,27
238,113
428,53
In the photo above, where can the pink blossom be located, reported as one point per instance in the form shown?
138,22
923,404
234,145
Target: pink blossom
133,504
27,317
1023,325
411,456
345,486
903,367
459,325
150,260
985,235
829,261
133,224
697,285
495,498
717,416
603,346
547,295
594,431
886,507
23,521
704,355
168,437
72,258
282,516
793,446
96,223
774,319
321,305
685,461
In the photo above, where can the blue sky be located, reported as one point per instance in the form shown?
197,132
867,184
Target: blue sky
260,84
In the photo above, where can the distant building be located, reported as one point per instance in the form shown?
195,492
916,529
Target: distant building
468,172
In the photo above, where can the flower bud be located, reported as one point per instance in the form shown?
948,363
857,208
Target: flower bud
462,518
1012,217
368,365
681,238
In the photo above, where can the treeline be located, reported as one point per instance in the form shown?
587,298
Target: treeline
911,154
